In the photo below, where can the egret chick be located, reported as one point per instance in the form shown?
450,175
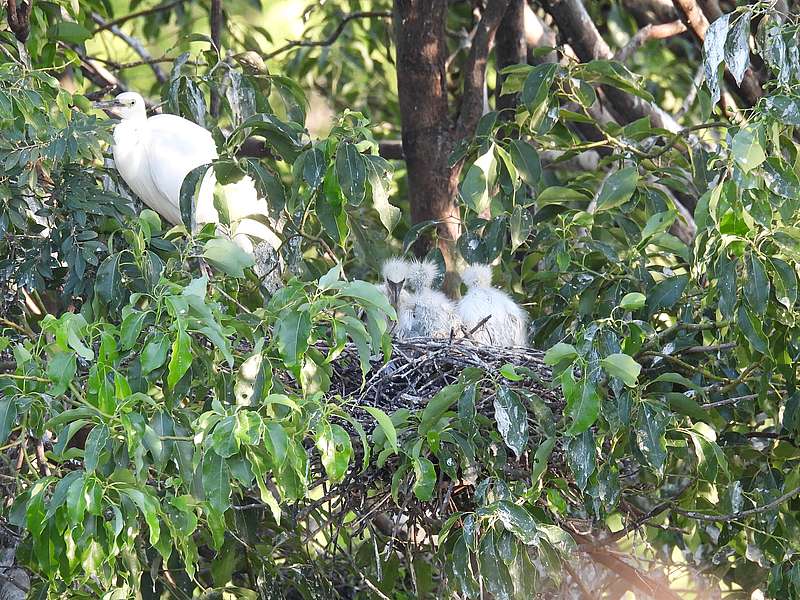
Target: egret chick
506,323
431,313
394,272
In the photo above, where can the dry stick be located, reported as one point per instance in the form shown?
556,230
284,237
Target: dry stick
649,32
698,516
361,14
136,15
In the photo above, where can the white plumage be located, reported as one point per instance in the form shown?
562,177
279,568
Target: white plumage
394,272
507,323
431,313
155,154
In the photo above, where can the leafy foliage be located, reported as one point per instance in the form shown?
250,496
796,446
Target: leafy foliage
196,437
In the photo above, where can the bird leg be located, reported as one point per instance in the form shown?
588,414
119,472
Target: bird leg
479,325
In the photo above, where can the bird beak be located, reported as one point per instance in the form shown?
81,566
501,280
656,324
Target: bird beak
394,289
106,104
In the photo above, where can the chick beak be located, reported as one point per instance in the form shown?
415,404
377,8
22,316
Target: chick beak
107,105
394,288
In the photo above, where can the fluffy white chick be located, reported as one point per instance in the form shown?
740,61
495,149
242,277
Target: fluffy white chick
431,313
507,322
395,273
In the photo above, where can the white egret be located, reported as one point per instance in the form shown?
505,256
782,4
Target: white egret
395,271
431,313
504,322
155,154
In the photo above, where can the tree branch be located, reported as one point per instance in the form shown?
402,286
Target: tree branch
361,14
475,68
647,33
135,15
216,39
576,26
19,18
750,89
698,516
136,45
511,48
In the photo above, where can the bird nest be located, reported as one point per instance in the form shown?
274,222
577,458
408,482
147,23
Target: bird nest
421,367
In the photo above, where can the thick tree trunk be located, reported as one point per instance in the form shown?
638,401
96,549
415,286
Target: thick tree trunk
424,114
511,48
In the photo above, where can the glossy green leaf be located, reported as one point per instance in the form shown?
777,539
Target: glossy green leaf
293,331
623,367
512,419
617,188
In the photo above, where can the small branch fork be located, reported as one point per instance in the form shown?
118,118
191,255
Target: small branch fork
361,14
647,33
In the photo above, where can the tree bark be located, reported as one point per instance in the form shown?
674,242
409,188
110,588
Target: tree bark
216,19
428,135
511,48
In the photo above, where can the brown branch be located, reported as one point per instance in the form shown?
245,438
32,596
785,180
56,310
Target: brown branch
19,18
135,15
216,39
647,33
511,48
361,14
576,26
633,576
741,514
584,592
475,68
750,89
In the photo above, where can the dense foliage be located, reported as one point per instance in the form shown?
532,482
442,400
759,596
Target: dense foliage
169,428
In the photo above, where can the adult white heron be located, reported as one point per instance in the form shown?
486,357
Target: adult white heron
155,154
499,320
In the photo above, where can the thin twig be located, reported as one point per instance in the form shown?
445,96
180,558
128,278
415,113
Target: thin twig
361,14
135,15
698,516
649,32
136,45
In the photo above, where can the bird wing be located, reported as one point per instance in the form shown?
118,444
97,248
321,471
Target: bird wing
174,146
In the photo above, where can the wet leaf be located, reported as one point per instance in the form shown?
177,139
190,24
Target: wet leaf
512,419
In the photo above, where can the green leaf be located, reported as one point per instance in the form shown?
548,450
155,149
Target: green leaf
108,280
216,481
314,168
713,54
351,172
583,403
494,572
438,405
747,149
526,160
559,195
181,357
623,367
386,426
8,416
785,280
617,189
336,450
537,85
474,191
521,226
368,293
509,372
388,214
293,331
187,193
154,353
541,458
424,478
751,327
130,329
779,179
666,293
559,352
581,458
225,255
726,285
737,47
650,431
632,301
61,369
512,419
70,32
756,287
95,444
